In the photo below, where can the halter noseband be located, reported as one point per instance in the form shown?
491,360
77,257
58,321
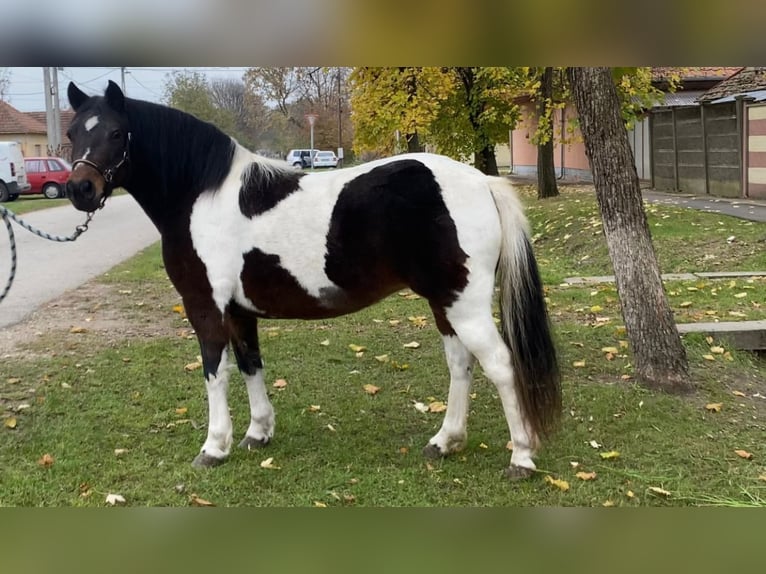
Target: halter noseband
108,173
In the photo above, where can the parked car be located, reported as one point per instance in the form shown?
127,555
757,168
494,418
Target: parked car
300,158
47,175
325,159
13,178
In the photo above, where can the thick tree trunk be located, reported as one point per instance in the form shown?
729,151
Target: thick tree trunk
413,143
485,160
546,171
660,357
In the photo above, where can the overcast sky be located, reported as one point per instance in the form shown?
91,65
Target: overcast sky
26,84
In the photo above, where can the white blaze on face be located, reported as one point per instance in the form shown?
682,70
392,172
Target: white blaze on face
91,123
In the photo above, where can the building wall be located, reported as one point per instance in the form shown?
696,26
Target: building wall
31,144
756,151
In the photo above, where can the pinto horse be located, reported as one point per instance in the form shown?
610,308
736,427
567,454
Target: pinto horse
245,237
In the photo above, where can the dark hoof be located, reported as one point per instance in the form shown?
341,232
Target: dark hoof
203,460
250,443
432,451
514,472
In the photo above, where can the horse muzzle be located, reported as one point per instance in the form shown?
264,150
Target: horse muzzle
84,194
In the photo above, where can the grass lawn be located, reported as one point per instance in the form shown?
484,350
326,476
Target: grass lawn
27,203
119,406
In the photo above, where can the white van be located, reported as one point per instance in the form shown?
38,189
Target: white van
300,157
13,177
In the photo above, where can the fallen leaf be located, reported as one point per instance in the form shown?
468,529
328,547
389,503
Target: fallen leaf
423,408
181,410
325,343
586,475
612,350
318,504
10,423
744,454
330,428
562,485
594,444
685,304
46,461
115,499
269,463
762,477
740,295
13,380
737,314
394,322
189,367
357,348
381,358
714,407
120,451
371,389
659,491
708,357
280,384
179,309
574,464
630,494
509,445
76,330
738,394
197,501
314,408
578,364
482,445
596,309
717,350
609,455
437,407
411,345
404,450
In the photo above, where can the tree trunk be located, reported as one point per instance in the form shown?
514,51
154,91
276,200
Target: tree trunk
485,160
660,357
413,143
546,171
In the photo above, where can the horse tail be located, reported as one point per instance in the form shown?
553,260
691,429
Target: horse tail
524,320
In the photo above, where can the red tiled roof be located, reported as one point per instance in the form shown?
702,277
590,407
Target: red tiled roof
695,72
746,80
66,119
12,121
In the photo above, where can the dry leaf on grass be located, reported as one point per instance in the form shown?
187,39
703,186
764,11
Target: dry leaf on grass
714,407
371,389
659,491
744,454
197,501
189,367
357,348
10,423
325,343
609,455
381,358
46,460
412,345
280,384
708,357
269,463
421,407
586,475
78,330
181,410
717,350
120,451
115,499
738,394
562,485
578,364
314,408
437,407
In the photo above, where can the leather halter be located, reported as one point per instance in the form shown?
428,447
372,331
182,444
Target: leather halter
109,172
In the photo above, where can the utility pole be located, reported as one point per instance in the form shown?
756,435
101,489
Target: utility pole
50,126
55,141
122,78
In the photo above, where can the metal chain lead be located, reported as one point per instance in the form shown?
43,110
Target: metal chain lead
8,215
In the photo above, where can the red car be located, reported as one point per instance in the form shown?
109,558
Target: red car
47,175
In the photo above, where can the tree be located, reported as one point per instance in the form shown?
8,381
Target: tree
460,111
546,170
190,92
659,354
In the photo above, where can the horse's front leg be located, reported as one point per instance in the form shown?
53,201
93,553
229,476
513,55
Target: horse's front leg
213,340
244,339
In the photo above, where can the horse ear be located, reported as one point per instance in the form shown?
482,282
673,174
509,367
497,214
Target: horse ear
114,97
76,96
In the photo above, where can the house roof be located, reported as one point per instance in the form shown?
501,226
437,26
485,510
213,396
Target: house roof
690,73
748,79
12,121
66,119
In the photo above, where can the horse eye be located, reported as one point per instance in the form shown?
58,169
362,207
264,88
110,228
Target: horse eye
116,134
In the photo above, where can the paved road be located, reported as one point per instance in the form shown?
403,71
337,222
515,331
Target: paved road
742,208
47,269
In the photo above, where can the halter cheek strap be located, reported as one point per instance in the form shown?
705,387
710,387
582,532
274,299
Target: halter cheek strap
109,172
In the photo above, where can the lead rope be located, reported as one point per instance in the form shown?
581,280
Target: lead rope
8,215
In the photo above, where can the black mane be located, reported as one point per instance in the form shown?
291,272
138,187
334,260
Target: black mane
174,155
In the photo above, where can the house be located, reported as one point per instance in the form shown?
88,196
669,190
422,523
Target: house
716,144
66,118
569,152
18,126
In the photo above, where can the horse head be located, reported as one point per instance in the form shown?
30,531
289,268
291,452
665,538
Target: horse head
100,137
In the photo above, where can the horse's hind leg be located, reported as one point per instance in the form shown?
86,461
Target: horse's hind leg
452,435
244,338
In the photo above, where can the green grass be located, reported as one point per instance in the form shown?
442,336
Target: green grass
28,203
90,394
